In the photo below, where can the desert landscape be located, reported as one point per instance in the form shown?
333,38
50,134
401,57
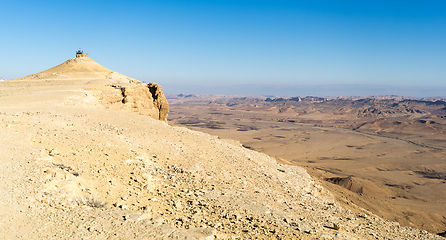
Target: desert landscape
87,154
384,154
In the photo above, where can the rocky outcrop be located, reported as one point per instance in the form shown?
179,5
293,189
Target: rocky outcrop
159,100
146,99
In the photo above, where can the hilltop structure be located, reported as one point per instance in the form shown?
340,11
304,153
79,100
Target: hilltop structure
81,54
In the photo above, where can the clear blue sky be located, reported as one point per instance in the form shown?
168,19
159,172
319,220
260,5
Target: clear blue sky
224,42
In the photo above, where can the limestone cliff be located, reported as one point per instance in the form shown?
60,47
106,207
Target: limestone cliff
159,100
146,99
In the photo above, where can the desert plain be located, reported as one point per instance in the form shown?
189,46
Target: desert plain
87,153
384,154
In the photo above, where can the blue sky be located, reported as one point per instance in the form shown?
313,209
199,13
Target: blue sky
228,42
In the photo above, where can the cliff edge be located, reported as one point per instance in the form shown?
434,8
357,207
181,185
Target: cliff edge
78,164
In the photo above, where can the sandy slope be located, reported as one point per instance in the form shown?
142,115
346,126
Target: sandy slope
71,168
76,68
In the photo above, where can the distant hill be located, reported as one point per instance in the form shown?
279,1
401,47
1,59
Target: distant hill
76,68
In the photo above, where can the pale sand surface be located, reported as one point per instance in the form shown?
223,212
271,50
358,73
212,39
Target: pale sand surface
400,176
78,163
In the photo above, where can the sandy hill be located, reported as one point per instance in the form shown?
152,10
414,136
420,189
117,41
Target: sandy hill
77,68
79,162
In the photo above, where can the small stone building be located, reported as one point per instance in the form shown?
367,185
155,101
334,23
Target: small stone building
80,54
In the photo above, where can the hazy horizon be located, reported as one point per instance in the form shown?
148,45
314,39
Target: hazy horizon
327,90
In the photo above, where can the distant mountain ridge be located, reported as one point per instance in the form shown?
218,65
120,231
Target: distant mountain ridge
320,90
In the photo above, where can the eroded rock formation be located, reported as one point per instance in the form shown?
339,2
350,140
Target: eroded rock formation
159,100
146,99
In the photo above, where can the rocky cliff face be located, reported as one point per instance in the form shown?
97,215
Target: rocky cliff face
159,100
146,99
